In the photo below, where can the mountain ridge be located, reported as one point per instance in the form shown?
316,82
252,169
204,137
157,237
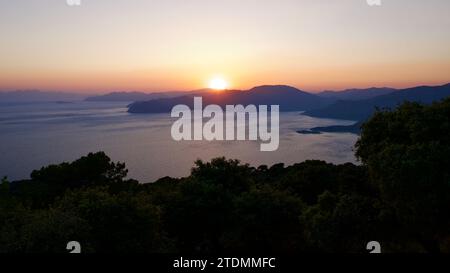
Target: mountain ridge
128,96
362,109
357,93
289,98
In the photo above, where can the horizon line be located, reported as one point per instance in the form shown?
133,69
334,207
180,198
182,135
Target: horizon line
103,92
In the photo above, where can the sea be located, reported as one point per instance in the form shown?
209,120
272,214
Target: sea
37,134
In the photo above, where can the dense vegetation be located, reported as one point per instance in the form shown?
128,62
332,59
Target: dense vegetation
399,196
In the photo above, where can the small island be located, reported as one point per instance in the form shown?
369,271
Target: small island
354,129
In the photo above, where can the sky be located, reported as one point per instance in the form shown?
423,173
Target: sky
163,45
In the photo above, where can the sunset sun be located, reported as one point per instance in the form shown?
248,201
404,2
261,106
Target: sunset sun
218,84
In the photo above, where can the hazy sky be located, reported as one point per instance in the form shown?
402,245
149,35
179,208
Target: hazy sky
151,45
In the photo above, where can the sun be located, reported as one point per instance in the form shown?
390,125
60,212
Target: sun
218,84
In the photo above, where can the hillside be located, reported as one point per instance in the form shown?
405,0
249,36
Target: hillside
356,94
289,99
225,206
362,109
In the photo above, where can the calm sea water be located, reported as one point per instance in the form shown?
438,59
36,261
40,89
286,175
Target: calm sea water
37,134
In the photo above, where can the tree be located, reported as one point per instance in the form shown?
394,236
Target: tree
118,223
230,174
341,222
266,220
95,169
407,152
4,187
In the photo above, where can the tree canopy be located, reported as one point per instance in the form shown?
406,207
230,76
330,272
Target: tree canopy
399,195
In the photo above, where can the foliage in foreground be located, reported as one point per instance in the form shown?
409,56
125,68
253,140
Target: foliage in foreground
399,196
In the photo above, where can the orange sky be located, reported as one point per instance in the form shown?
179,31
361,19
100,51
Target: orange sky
174,45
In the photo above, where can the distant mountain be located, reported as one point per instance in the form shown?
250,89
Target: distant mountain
126,96
289,99
39,96
362,109
141,96
356,94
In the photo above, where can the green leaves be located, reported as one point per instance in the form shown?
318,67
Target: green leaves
407,152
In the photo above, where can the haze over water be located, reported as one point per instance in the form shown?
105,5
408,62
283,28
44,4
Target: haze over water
34,135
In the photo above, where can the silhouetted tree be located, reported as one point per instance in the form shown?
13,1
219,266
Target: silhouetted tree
400,196
407,152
